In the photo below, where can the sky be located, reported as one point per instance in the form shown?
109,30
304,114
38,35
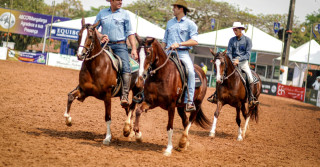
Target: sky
302,7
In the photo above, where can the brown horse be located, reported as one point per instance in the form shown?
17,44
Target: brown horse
231,90
98,78
163,87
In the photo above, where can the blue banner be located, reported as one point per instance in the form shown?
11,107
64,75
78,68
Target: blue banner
64,33
276,27
213,23
38,58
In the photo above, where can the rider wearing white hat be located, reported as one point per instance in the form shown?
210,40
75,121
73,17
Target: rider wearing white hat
239,51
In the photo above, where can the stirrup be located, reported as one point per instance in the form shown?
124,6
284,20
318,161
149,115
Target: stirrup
190,107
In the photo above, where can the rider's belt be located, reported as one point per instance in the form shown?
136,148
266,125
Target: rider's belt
182,49
116,42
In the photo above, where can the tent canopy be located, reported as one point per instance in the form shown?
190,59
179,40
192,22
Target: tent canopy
301,53
261,41
141,26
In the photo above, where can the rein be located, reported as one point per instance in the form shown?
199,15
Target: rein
155,70
94,56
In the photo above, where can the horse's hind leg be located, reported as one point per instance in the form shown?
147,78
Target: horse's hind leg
171,112
183,143
71,97
238,120
247,118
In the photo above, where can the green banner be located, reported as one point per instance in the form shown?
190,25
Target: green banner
311,96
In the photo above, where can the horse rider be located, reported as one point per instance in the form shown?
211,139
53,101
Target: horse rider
116,28
239,51
181,34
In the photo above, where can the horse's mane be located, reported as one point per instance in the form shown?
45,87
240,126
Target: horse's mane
161,50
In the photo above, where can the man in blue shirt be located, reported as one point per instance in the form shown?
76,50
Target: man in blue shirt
181,34
239,51
116,28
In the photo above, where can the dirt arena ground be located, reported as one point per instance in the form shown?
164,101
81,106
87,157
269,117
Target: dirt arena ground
33,132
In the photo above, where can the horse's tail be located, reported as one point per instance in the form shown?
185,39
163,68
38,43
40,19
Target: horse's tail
202,120
254,113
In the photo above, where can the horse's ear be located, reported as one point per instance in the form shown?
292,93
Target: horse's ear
212,52
95,25
82,22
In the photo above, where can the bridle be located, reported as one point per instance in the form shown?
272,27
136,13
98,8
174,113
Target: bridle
224,77
91,47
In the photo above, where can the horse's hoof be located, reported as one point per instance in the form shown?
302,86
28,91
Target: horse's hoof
68,121
183,143
139,137
106,142
240,139
212,134
126,130
167,153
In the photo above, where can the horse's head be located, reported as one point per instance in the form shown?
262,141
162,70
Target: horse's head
87,37
220,64
146,53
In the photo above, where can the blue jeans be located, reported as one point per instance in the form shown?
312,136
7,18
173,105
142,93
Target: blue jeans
185,57
122,51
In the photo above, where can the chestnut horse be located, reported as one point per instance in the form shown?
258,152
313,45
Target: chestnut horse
163,87
231,90
98,78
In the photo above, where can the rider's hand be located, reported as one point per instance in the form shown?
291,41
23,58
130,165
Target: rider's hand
134,54
174,46
104,38
236,62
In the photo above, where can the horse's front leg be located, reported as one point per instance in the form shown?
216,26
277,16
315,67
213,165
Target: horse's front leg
247,118
107,103
171,112
129,121
71,97
238,120
142,107
215,119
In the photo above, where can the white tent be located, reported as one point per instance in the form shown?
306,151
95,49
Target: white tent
261,41
141,26
301,53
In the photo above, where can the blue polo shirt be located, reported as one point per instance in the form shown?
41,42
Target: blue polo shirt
239,48
177,32
116,25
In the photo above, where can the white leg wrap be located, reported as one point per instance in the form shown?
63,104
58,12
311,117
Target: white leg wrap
66,115
239,134
107,140
214,125
169,147
246,126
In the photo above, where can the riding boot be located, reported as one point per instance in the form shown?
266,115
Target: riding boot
126,78
213,98
252,100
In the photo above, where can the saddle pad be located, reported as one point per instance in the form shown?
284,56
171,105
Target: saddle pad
245,77
117,64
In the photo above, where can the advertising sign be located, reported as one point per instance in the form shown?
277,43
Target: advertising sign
291,92
28,57
25,23
269,88
64,33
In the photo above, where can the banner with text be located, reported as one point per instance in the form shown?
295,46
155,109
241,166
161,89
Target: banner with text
269,88
25,23
64,33
28,57
291,92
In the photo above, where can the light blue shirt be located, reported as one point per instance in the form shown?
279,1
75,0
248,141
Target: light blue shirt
239,49
177,32
116,25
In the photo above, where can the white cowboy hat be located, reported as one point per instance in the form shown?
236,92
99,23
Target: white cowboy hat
238,25
318,77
